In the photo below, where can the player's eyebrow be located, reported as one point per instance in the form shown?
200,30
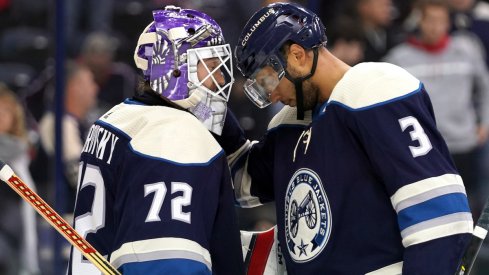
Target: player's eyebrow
213,61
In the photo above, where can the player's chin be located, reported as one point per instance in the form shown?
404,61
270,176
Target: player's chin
290,103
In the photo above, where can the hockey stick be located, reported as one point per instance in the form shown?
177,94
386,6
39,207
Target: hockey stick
480,232
8,176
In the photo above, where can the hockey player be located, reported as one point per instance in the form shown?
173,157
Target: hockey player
154,192
361,178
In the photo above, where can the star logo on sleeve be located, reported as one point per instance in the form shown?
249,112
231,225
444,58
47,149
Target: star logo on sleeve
302,248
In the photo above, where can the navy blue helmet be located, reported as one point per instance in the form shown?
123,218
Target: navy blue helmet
262,38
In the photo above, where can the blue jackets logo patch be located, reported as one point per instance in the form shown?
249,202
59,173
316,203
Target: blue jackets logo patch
307,216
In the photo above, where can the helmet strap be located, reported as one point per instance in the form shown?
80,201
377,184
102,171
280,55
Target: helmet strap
298,84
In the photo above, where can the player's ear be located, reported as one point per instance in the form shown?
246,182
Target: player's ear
297,53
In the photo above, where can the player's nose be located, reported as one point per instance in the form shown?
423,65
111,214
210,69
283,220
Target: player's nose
219,76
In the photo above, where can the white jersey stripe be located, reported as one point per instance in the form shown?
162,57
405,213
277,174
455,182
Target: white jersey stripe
440,191
455,217
438,232
414,189
393,269
158,249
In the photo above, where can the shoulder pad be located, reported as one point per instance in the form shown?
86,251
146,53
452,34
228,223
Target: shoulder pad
368,84
165,133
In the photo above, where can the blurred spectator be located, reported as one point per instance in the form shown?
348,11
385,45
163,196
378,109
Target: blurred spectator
375,18
330,10
345,41
39,94
24,35
472,15
18,244
451,67
403,9
24,14
116,80
25,45
80,97
85,16
16,75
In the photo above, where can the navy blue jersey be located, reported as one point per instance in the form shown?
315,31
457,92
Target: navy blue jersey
155,195
366,187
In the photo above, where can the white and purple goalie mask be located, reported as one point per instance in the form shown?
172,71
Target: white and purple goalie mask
169,51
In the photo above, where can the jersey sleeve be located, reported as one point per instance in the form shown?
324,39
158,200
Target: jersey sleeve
411,159
481,82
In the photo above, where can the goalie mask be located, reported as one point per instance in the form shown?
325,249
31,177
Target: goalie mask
183,56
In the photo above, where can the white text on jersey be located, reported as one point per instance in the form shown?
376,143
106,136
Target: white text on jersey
97,140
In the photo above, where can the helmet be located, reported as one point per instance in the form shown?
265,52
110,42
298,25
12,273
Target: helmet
168,53
262,39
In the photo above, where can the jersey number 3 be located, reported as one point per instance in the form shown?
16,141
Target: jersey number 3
417,134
